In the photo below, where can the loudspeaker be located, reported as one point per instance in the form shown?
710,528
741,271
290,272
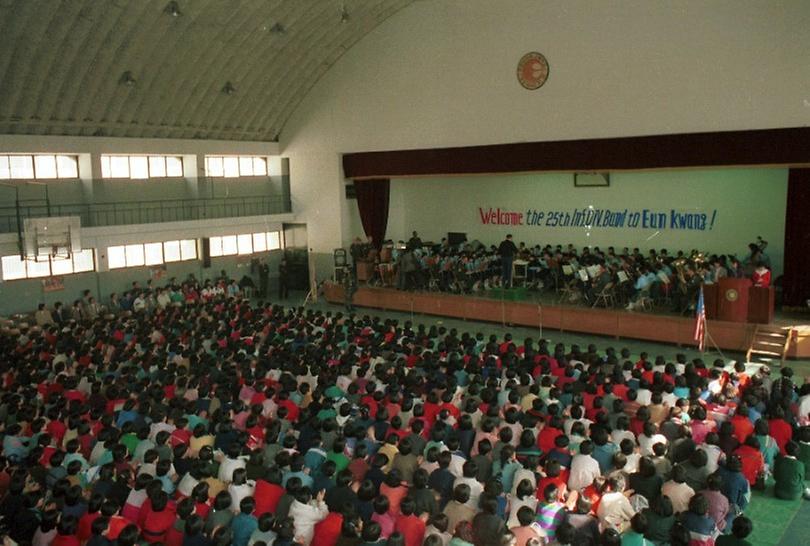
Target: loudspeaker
206,252
455,238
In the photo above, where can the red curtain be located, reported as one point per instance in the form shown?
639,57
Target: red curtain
796,287
372,201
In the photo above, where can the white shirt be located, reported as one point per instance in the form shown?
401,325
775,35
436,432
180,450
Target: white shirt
714,454
475,490
632,463
516,504
305,516
520,475
646,443
187,485
227,466
615,511
239,492
456,467
618,435
804,409
644,397
570,422
584,469
679,494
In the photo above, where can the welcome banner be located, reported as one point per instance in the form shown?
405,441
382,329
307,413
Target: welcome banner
600,218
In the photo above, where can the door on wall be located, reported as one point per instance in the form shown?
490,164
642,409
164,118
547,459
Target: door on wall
296,252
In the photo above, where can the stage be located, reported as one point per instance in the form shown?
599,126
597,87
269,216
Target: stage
617,323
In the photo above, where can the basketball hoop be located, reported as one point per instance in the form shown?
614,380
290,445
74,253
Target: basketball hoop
55,238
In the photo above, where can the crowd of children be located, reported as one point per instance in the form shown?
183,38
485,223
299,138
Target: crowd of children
213,421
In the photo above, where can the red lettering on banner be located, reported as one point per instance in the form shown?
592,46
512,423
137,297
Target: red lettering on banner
485,216
500,217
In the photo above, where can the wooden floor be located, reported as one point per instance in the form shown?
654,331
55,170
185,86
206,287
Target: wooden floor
619,323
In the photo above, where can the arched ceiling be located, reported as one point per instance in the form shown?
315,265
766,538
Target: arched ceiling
208,69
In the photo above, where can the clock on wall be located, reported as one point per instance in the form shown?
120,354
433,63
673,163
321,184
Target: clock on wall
532,70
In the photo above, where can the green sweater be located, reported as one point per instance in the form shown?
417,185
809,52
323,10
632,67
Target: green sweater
789,475
804,454
730,540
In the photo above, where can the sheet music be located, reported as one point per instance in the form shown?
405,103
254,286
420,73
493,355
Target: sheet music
593,271
622,276
583,274
568,270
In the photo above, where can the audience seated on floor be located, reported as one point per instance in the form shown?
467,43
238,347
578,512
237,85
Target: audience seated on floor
210,420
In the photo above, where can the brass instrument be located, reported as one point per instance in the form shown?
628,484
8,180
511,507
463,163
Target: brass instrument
680,268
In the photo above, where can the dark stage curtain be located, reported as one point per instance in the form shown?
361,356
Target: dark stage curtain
760,147
796,282
372,201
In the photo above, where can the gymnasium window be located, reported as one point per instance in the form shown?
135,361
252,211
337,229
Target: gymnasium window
38,167
15,268
151,253
246,243
141,167
232,166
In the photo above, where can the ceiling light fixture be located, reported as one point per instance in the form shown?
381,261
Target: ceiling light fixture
344,14
229,89
173,9
127,79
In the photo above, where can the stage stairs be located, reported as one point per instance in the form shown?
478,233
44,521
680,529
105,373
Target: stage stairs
769,344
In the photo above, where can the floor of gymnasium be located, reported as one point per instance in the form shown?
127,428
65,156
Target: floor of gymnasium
776,522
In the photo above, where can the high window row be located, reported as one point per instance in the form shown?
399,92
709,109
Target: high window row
235,166
16,268
151,253
136,167
38,167
246,243
140,167
138,255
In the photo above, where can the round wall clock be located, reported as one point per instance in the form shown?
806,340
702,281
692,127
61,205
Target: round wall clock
532,70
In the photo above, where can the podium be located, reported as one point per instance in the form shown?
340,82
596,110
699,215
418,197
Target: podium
760,305
732,301
710,296
365,270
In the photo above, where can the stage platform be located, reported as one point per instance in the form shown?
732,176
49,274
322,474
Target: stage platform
618,323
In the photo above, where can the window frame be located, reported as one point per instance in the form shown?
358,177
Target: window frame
58,167
184,253
151,162
26,265
240,160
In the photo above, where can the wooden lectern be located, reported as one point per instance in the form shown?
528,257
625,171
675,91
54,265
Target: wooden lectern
760,305
732,304
710,297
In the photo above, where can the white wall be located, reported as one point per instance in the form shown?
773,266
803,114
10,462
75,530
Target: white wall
748,203
442,73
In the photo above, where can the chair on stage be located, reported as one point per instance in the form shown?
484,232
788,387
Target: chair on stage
644,300
607,296
570,291
520,270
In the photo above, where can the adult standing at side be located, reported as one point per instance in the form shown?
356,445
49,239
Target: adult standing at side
283,280
264,278
507,251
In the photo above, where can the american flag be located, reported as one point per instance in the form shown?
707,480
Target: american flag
700,322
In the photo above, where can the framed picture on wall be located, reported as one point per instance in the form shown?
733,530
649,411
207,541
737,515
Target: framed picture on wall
591,180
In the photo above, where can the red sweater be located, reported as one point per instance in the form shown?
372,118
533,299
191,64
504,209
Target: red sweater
412,529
